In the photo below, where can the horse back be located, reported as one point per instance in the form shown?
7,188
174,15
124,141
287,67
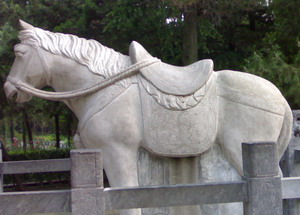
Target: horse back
250,90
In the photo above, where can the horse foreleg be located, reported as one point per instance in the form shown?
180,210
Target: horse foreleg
120,164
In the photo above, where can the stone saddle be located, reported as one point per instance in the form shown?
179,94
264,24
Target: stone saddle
168,130
172,79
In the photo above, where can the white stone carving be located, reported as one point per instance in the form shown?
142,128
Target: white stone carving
172,111
175,102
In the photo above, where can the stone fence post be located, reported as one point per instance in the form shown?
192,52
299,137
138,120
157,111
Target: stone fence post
87,182
261,171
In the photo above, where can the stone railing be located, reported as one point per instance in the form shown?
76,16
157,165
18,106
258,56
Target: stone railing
261,190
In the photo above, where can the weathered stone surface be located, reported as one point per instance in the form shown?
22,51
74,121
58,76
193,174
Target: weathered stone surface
260,159
89,201
264,183
212,166
291,188
35,202
23,167
174,195
265,196
153,170
183,140
86,168
87,182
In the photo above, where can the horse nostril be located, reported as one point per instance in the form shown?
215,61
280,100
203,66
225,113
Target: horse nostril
14,97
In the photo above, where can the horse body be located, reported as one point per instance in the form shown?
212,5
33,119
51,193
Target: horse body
247,108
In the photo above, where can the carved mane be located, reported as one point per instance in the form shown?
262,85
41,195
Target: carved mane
98,58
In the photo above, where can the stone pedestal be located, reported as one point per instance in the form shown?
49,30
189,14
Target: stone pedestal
209,167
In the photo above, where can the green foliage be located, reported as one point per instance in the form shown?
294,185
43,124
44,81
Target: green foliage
208,32
236,34
287,26
45,14
155,24
7,33
39,178
39,154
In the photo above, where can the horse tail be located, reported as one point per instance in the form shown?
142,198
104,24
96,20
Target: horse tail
286,131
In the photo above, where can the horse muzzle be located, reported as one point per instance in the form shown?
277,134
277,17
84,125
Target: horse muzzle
10,90
14,94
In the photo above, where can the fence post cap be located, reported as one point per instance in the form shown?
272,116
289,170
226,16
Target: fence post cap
85,151
260,159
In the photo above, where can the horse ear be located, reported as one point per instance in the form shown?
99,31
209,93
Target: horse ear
25,26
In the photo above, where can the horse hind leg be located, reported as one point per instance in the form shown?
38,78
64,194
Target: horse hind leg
242,123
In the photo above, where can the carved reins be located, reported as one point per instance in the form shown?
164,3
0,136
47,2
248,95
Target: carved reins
57,96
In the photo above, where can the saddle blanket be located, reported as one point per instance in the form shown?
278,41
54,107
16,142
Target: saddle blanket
180,133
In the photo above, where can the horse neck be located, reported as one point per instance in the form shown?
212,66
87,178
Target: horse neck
65,70
68,75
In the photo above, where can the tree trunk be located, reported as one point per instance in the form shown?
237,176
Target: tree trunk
190,36
4,130
27,125
69,130
24,133
11,128
252,25
57,133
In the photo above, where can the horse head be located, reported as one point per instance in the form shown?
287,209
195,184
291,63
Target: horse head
60,61
28,67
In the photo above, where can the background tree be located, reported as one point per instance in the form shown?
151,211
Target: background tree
45,14
277,57
287,28
258,36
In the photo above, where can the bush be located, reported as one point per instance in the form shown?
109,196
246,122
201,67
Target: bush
40,154
39,178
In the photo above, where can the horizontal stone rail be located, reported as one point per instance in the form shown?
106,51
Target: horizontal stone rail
117,198
164,196
290,188
35,166
145,197
261,190
15,203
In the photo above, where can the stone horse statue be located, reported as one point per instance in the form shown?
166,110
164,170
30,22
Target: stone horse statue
169,111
